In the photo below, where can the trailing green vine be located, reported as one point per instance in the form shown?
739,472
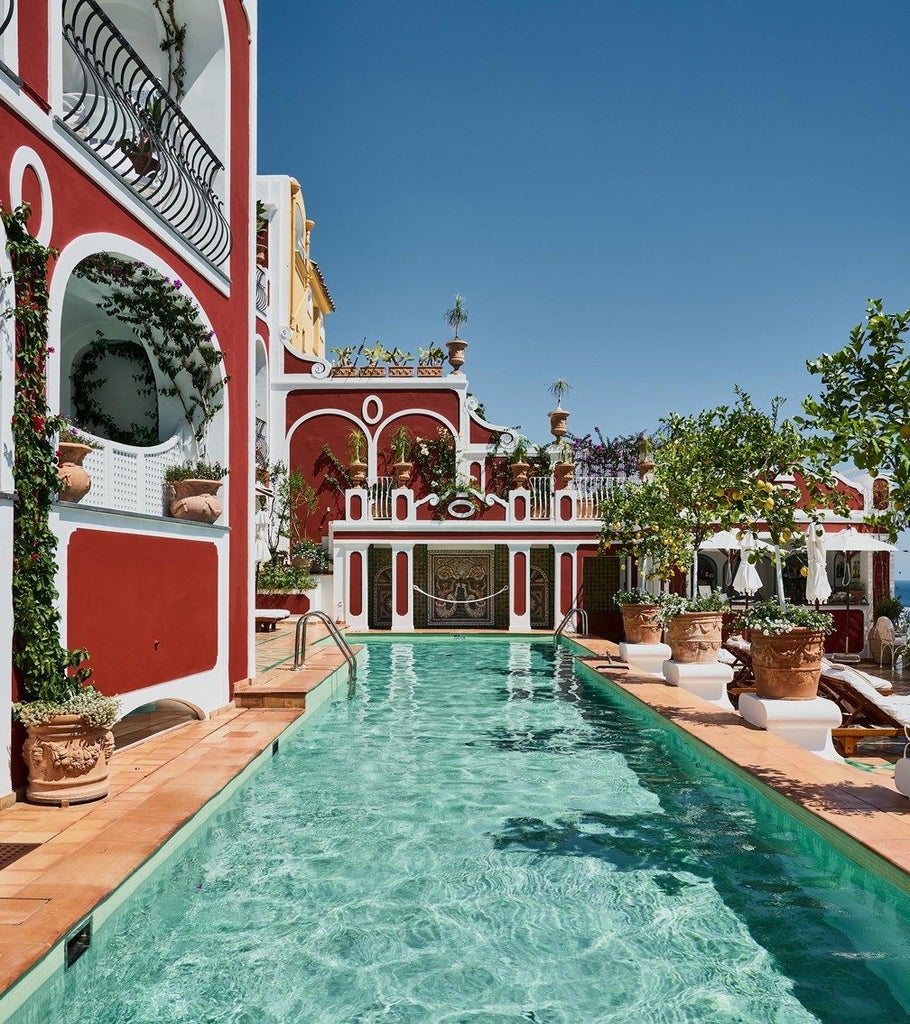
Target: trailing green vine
167,322
86,383
174,45
38,655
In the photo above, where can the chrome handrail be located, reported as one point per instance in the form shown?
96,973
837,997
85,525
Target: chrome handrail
581,613
334,632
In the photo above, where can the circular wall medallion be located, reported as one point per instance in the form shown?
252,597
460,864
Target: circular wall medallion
372,409
26,160
461,508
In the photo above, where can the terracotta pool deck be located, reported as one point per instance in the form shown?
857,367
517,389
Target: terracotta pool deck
84,853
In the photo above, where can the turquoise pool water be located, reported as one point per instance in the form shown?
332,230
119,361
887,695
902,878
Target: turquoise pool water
479,836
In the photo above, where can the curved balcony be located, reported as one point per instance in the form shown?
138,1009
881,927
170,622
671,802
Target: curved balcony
6,14
130,479
124,115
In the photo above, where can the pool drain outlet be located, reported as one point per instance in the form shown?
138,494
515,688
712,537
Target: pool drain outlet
78,943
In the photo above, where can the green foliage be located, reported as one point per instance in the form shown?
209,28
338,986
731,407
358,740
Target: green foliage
288,487
402,442
86,383
305,549
558,388
173,44
376,355
338,475
864,406
38,656
199,470
322,561
431,356
343,355
672,605
770,618
100,712
890,607
167,323
68,434
457,315
397,357
357,445
634,596
282,576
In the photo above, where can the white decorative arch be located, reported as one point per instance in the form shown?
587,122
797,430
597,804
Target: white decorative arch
371,445
105,242
23,159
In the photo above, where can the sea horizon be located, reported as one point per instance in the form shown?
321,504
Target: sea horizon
902,592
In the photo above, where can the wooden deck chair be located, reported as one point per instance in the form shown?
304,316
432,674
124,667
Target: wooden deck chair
865,715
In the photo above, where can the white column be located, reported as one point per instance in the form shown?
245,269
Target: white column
404,622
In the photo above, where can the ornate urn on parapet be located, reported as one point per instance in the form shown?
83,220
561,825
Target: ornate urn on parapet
558,416
357,468
455,317
72,448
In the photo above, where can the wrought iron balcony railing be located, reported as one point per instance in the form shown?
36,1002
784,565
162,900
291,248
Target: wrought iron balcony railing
125,115
6,14
262,290
262,444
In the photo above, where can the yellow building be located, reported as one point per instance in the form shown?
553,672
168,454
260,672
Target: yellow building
310,301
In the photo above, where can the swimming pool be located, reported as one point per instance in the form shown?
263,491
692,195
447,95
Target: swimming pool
479,836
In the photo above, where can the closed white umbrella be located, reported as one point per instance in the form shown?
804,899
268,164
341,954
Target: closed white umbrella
817,586
747,581
263,554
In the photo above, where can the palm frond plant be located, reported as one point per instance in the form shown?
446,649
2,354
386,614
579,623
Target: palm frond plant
457,315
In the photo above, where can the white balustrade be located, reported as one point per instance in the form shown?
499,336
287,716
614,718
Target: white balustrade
541,488
131,479
590,490
381,497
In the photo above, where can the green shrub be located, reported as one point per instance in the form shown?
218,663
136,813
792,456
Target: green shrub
890,607
769,618
281,576
195,471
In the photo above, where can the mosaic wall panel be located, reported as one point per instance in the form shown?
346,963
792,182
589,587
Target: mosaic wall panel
379,567
501,579
601,582
465,577
420,574
542,572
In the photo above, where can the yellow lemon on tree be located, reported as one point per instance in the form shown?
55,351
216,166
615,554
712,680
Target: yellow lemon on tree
804,571
769,504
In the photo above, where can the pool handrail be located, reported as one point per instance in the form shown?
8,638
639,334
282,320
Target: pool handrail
581,613
334,632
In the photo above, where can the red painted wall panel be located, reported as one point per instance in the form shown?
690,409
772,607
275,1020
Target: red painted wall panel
145,607
402,594
520,582
355,584
566,594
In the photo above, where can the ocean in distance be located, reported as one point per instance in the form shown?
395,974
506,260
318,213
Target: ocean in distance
902,592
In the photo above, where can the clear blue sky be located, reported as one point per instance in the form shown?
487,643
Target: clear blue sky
653,200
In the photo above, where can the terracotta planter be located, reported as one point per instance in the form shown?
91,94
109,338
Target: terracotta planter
640,624
143,157
563,473
67,761
371,371
304,562
520,473
695,637
456,349
401,371
429,371
558,423
358,473
75,482
196,500
343,371
788,666
263,477
403,472
644,468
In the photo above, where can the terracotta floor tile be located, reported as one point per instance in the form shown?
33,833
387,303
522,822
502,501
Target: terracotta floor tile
15,910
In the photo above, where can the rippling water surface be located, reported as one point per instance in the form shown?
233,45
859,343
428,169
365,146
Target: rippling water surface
476,836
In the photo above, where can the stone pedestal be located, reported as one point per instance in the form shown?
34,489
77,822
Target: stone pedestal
807,723
648,658
706,681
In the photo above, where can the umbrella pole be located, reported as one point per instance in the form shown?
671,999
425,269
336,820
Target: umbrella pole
848,556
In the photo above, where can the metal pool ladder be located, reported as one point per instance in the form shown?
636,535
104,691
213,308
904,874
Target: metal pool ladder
334,632
560,629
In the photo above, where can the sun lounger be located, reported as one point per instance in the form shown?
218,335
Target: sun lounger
268,618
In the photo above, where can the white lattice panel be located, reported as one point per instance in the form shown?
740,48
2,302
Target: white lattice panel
131,479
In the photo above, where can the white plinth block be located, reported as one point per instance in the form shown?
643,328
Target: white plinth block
706,681
645,657
902,776
808,723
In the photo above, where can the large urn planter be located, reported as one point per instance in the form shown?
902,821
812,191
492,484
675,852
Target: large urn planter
403,472
520,473
75,482
67,760
559,423
641,624
695,637
456,349
358,473
787,666
563,473
196,500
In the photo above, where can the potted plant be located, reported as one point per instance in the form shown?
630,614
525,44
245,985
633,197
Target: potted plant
72,448
262,234
402,440
564,467
694,626
640,620
303,554
280,584
196,486
397,360
345,361
788,644
374,356
455,317
518,462
323,562
645,464
141,149
429,361
357,468
69,739
558,416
